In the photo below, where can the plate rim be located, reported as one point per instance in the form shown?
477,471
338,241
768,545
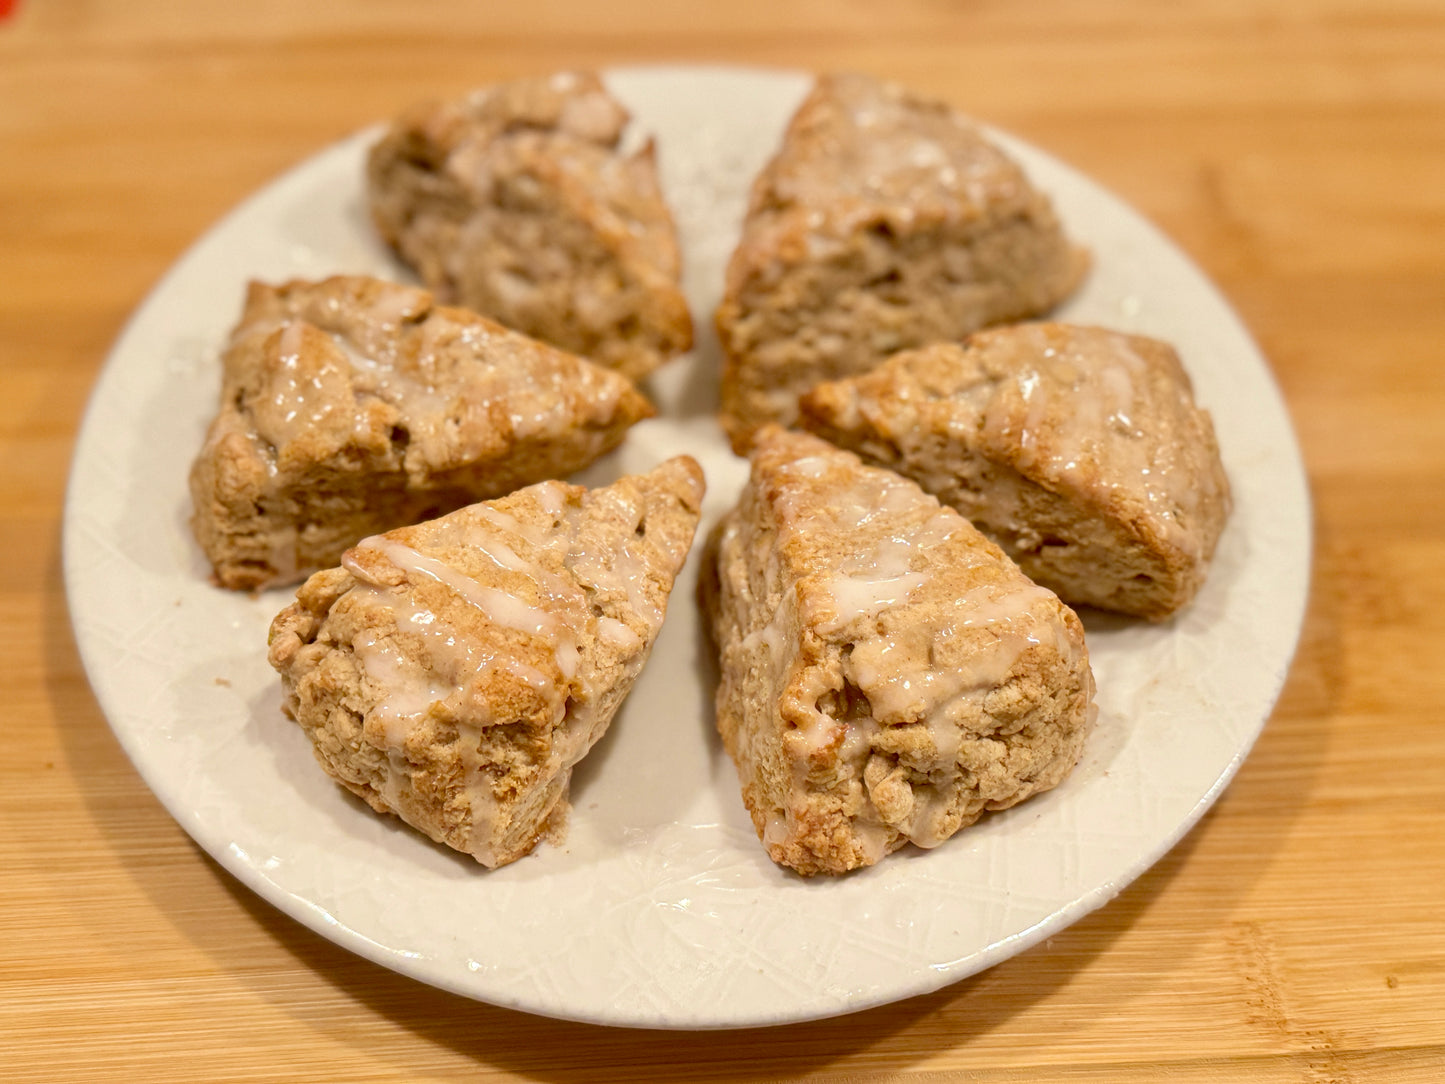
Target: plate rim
310,915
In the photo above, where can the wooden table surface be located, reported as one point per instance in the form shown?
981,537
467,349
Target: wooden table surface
1295,149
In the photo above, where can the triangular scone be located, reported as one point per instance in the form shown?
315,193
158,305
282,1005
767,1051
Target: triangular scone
887,673
1079,450
352,405
884,222
520,202
453,672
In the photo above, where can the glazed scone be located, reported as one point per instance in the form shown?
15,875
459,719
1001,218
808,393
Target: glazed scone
884,222
887,673
519,202
454,671
352,405
1079,450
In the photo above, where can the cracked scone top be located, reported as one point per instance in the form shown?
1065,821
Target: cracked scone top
887,674
519,201
352,405
1078,449
454,671
885,221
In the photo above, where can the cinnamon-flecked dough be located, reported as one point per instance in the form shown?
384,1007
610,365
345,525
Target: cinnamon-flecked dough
884,222
453,672
520,202
887,673
352,405
1078,449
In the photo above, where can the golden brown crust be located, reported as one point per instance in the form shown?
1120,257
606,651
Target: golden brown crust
352,405
885,221
1079,450
519,202
454,671
887,674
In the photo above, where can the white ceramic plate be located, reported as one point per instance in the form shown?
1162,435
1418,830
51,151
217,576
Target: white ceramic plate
661,909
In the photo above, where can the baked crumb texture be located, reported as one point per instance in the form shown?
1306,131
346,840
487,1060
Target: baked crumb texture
518,201
887,673
1079,450
352,405
884,222
454,671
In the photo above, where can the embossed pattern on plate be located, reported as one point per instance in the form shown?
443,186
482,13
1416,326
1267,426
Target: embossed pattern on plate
661,909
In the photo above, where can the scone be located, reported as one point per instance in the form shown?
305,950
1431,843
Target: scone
453,672
519,202
887,673
1079,450
884,222
351,406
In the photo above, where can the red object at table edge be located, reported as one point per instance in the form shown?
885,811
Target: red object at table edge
7,7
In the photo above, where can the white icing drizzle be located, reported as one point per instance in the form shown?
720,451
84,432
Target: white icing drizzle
290,342
397,780
777,830
903,686
811,737
537,536
1082,398
499,607
810,466
621,570
618,635
413,684
855,596
1002,603
501,554
872,838
392,307
858,737
409,686
869,584
383,378
771,636
999,619
424,661
297,400
618,571
540,397
891,152
481,801
928,802
552,499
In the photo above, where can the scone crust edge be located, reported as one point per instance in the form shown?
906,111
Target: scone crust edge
832,782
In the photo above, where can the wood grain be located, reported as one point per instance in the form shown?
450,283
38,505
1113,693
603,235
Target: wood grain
1296,150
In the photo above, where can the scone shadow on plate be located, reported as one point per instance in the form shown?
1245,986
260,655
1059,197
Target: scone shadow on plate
686,389
709,668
